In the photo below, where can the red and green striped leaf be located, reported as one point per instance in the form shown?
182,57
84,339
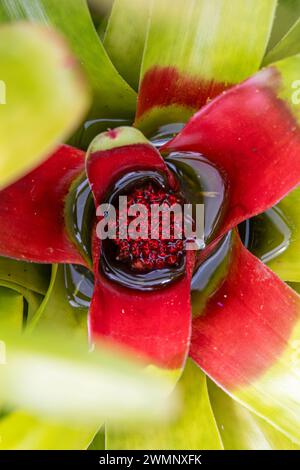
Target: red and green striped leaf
194,51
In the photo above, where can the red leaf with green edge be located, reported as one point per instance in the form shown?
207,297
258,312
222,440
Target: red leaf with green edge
139,320
33,225
195,50
117,152
247,340
251,133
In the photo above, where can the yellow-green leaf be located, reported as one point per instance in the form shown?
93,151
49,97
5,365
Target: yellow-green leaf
113,97
45,97
242,430
53,376
194,428
125,37
21,431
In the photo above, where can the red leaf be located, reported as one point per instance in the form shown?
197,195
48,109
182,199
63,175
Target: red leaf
166,86
246,324
32,211
155,324
105,167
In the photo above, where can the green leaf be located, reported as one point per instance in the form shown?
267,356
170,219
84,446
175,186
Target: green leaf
53,376
194,428
22,282
56,313
289,45
295,286
100,11
113,97
125,37
33,300
98,443
11,309
287,13
240,429
45,97
194,50
29,275
275,237
21,431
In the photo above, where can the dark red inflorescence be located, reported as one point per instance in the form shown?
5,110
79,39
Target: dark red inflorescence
144,252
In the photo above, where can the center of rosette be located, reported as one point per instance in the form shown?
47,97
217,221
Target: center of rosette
154,220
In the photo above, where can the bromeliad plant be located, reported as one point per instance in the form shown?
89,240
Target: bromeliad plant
239,154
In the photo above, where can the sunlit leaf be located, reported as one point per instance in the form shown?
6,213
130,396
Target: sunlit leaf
98,443
113,97
11,309
21,431
45,96
194,428
53,376
242,430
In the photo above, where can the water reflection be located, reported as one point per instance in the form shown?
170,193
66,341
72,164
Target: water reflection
266,235
79,283
201,183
